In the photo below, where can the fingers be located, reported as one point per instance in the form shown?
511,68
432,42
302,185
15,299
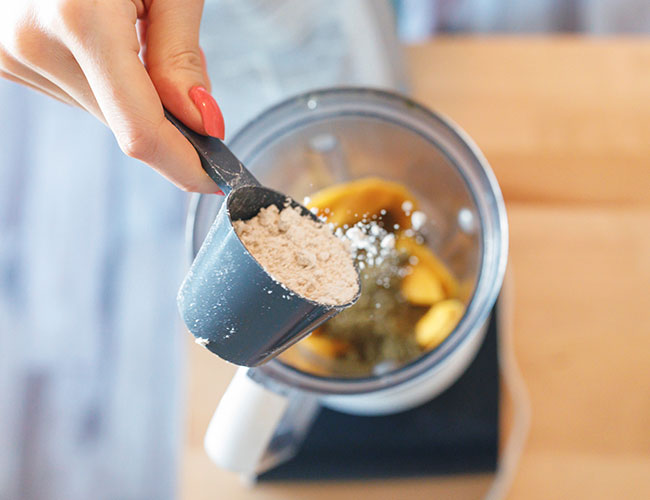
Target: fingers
177,66
25,83
32,54
86,54
16,72
126,96
57,65
206,77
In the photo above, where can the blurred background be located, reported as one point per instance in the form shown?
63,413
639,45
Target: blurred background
93,360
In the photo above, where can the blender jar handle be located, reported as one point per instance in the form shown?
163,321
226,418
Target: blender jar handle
254,428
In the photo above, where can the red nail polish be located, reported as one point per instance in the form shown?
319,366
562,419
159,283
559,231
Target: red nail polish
210,112
219,192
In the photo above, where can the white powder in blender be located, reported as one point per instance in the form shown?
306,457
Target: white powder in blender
301,254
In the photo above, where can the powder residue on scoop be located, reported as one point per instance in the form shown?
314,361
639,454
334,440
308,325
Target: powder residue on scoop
300,253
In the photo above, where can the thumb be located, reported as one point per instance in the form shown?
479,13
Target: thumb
176,65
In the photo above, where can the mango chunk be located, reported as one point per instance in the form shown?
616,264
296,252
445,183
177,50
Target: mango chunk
348,203
426,258
323,346
422,287
438,322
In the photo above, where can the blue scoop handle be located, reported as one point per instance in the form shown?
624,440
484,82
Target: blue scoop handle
217,160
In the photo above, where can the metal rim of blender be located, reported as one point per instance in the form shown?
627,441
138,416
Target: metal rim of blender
470,323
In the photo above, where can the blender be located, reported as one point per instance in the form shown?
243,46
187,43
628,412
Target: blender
329,136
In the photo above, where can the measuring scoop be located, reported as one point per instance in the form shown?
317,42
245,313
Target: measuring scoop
227,300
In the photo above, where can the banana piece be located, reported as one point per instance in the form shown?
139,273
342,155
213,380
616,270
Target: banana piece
426,258
422,286
323,346
438,322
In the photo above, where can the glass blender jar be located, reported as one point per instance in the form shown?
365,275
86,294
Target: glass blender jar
335,135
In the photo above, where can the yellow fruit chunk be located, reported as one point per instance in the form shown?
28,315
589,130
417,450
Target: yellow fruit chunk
438,323
316,365
426,258
422,287
323,346
348,203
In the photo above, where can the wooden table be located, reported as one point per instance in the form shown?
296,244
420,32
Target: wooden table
565,123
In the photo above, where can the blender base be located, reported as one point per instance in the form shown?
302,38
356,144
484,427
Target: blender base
457,432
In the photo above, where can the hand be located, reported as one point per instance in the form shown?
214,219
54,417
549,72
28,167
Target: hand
87,53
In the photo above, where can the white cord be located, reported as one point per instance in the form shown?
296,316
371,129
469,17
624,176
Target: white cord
514,383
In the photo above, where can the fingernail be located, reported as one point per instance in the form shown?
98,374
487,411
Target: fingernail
210,112
220,192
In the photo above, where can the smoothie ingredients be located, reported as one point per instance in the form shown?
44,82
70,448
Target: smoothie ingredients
409,302
301,254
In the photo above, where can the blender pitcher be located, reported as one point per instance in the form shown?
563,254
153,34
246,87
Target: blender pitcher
325,137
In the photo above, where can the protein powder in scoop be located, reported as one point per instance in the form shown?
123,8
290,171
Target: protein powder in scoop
300,253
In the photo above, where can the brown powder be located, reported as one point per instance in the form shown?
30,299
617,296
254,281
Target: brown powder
300,253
